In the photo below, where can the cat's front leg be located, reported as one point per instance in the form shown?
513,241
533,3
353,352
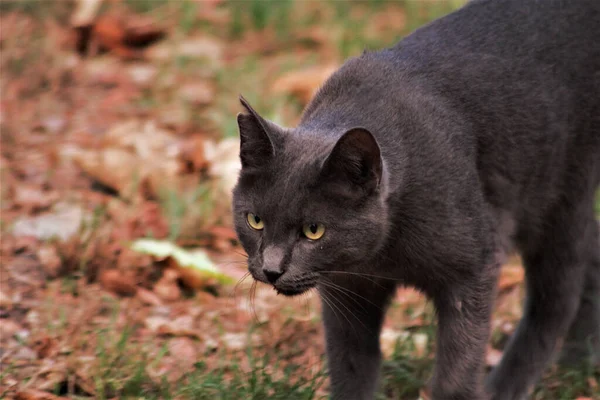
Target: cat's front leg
353,313
463,330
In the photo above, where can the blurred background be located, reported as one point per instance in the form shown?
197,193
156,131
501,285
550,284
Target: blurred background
120,273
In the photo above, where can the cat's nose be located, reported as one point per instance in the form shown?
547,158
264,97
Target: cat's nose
272,275
273,263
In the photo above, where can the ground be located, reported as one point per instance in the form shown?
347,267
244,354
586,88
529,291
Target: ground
118,123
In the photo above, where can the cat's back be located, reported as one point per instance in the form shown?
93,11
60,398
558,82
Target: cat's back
563,33
511,84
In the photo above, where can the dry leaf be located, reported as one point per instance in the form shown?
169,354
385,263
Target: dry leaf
184,351
305,83
31,197
148,297
510,275
125,35
33,394
420,342
62,222
167,288
492,357
198,93
51,262
85,12
389,338
115,281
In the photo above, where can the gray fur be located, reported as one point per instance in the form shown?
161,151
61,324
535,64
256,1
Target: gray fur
427,162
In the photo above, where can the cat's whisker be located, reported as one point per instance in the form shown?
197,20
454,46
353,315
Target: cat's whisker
335,302
252,295
369,277
239,282
349,293
328,303
240,253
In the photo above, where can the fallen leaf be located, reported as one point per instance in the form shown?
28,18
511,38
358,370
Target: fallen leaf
492,357
33,394
510,275
125,35
50,260
142,74
166,288
304,83
115,281
193,151
203,47
198,93
5,300
224,166
420,342
235,341
63,222
33,198
85,12
45,347
8,328
424,394
194,267
148,297
184,351
389,338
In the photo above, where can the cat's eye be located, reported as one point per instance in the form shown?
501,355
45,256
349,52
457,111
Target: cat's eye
313,231
255,222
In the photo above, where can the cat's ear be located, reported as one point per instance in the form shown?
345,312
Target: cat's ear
355,159
256,147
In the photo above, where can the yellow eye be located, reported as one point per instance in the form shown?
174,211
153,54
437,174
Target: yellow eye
255,222
313,231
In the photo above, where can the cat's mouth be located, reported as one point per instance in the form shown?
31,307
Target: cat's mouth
289,292
288,285
294,288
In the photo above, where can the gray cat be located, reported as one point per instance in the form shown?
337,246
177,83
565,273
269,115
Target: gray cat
423,164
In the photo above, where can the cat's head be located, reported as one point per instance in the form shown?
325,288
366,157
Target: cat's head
307,204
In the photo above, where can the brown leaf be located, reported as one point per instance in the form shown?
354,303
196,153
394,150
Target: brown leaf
8,327
115,281
33,198
424,394
85,12
33,394
51,262
492,357
166,288
184,350
148,297
45,346
125,35
193,152
510,275
113,167
198,93
303,84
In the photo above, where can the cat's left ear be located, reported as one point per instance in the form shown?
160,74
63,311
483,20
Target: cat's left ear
355,159
256,144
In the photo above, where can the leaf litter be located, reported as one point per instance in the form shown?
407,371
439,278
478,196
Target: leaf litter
113,142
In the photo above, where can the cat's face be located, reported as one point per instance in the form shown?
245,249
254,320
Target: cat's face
305,209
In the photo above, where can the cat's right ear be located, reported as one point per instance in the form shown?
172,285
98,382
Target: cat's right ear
355,161
256,147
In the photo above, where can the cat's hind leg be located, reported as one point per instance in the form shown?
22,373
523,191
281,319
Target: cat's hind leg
582,345
556,266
